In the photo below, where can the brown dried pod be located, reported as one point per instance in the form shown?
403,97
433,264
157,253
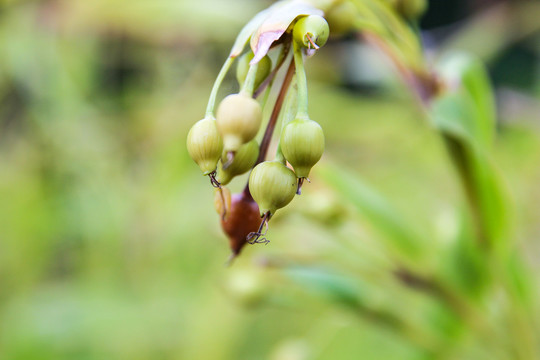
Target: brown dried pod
242,219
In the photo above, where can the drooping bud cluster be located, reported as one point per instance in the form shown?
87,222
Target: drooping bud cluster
225,147
223,144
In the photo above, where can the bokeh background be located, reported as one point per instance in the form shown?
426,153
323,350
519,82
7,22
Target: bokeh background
110,247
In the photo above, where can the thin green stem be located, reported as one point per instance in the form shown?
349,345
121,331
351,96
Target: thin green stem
279,155
217,84
265,143
301,82
287,114
267,83
249,83
366,25
266,95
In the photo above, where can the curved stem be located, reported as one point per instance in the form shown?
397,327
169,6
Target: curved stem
423,85
249,83
267,83
279,155
217,84
265,143
301,80
287,114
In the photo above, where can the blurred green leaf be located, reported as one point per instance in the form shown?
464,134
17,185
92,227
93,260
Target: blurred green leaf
455,117
331,286
520,281
467,76
246,32
380,215
463,265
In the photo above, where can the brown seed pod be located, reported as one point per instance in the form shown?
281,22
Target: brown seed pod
242,218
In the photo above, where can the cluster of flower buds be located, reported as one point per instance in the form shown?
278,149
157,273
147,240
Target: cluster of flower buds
224,145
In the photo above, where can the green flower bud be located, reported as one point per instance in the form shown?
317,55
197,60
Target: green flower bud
272,185
204,144
243,160
238,120
341,17
311,31
247,285
302,144
412,9
263,68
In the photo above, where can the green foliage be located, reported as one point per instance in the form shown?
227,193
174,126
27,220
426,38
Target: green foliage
465,115
397,233
110,249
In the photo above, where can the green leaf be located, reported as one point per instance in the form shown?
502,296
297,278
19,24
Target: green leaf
467,77
453,114
384,219
351,294
247,31
520,281
329,285
463,265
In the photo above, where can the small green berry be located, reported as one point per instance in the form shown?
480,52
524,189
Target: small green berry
263,68
311,31
412,9
238,120
204,144
243,160
272,185
302,144
341,17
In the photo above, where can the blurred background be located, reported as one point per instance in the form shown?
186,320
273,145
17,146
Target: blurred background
110,247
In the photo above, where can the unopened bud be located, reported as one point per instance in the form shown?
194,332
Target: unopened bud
412,9
247,286
241,219
311,31
238,120
302,144
242,161
272,185
341,17
263,68
204,144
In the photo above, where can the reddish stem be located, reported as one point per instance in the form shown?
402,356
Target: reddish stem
265,143
424,85
274,72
